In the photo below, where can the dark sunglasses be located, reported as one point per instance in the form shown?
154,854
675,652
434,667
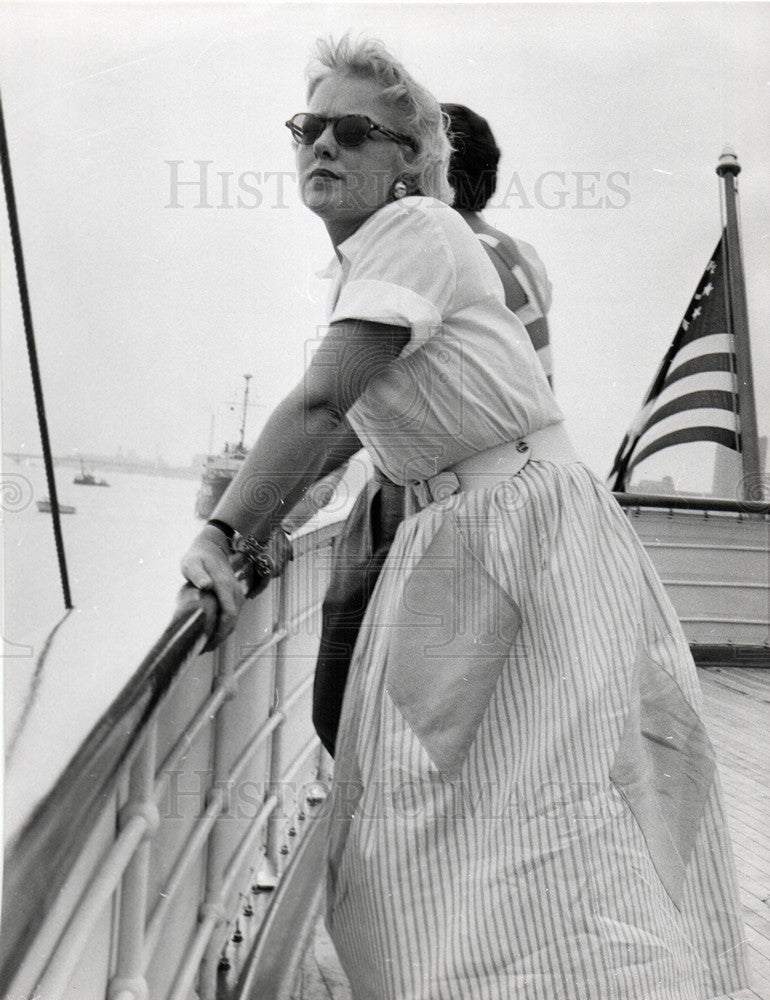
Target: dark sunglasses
349,130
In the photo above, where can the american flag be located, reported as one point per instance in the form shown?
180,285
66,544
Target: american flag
694,394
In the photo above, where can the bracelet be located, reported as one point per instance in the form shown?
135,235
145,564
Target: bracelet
258,555
226,530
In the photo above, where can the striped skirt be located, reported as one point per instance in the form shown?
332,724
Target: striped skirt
525,802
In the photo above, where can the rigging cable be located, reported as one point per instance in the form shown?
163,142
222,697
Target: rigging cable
21,277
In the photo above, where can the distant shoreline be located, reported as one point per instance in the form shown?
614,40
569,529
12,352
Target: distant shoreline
115,463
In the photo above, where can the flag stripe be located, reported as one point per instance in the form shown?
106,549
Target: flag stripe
714,343
714,398
686,435
699,382
701,363
678,421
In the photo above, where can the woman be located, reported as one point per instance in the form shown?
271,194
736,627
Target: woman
524,801
364,542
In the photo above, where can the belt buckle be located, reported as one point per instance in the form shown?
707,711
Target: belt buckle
443,486
422,492
437,488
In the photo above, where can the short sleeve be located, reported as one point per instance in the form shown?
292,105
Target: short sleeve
400,270
460,393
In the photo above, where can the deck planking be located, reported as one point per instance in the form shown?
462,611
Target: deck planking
737,713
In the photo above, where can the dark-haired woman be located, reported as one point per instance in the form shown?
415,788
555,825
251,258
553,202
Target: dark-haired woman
473,176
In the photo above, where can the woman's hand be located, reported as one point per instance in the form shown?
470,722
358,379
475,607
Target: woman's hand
207,566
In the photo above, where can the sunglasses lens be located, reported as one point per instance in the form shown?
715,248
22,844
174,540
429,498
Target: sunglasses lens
306,128
351,130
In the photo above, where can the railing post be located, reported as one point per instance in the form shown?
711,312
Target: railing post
271,868
216,861
129,981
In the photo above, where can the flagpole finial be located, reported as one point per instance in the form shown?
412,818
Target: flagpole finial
728,163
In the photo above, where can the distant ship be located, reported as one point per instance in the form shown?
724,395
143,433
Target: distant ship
46,507
85,478
219,470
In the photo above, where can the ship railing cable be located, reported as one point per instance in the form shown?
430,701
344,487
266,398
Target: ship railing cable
37,384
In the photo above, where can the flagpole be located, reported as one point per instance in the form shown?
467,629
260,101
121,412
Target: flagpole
728,169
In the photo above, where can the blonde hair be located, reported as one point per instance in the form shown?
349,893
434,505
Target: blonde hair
419,113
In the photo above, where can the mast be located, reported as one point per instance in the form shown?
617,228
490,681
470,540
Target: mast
728,169
243,418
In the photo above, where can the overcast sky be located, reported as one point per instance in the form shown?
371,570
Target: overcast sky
152,298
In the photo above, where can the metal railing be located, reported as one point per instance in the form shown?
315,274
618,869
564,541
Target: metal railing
683,501
148,869
713,557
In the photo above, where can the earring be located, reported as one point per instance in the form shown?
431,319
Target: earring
399,190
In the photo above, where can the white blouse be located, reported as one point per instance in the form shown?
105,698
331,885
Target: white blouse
469,378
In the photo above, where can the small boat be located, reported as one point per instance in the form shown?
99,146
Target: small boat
46,507
86,478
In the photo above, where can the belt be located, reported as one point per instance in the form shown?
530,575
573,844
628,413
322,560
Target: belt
496,465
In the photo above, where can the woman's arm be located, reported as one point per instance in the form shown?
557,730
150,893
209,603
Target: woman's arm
304,438
316,498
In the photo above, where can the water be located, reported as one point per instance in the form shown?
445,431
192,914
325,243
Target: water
123,547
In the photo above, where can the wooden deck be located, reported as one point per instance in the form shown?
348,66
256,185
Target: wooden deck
737,709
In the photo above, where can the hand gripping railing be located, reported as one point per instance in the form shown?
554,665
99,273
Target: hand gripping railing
140,873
